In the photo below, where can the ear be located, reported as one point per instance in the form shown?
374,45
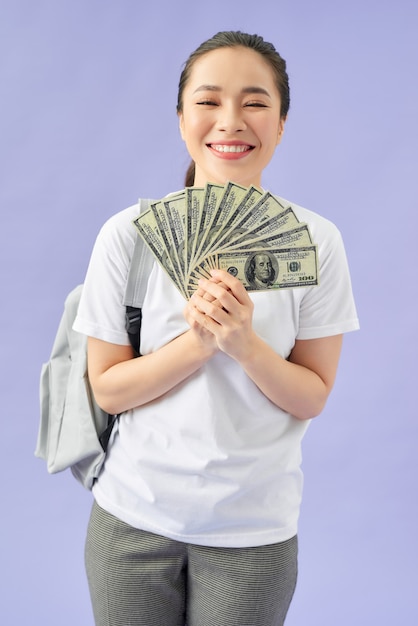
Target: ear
181,124
281,129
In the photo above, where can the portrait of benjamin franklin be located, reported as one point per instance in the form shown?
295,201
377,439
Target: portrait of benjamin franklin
261,270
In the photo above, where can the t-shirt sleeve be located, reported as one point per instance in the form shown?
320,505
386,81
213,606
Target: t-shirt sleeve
101,312
329,308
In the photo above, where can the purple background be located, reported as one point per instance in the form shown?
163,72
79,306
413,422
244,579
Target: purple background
88,124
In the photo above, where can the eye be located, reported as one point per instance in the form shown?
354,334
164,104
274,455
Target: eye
256,104
207,103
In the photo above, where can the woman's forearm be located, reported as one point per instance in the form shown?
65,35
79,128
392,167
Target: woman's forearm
300,385
120,382
292,387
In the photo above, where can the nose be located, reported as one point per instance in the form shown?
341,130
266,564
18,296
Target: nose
231,119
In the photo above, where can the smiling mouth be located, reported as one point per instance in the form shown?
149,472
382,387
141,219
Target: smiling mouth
237,149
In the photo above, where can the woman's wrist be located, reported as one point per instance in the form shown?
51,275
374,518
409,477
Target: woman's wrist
204,343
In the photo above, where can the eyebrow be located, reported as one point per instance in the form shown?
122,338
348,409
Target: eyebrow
245,90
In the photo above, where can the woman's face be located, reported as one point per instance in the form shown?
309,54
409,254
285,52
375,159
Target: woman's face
230,118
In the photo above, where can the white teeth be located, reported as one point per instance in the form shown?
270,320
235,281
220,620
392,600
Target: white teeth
221,148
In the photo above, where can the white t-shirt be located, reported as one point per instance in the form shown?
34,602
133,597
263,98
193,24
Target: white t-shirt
212,462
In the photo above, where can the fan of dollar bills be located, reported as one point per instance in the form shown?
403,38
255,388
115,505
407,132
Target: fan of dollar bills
246,231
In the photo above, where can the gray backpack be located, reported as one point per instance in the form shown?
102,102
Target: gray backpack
74,431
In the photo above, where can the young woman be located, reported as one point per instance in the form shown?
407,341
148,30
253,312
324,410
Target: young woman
196,508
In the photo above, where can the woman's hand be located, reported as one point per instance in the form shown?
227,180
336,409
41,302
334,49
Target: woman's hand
222,309
300,384
202,334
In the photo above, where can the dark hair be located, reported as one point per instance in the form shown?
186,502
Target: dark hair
232,39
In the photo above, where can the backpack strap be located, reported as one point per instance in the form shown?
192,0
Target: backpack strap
136,286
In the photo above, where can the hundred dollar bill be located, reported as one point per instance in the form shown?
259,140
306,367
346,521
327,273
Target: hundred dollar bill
148,229
233,227
200,271
160,213
278,223
231,197
194,197
233,204
213,195
176,215
275,268
267,207
299,236
266,210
